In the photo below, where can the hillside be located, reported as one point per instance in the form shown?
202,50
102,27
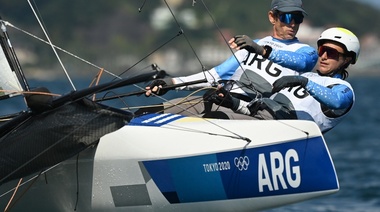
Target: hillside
115,34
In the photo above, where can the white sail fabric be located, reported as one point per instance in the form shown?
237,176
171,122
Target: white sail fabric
9,83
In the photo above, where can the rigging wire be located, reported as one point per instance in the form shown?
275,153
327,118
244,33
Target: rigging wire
25,190
209,133
77,179
184,101
185,129
159,47
63,138
59,48
31,179
249,86
168,126
182,32
225,40
140,8
51,44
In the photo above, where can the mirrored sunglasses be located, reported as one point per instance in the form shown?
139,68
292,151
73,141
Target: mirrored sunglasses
288,17
331,52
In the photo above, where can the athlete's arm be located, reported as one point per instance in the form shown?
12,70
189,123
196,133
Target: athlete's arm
338,97
223,71
302,60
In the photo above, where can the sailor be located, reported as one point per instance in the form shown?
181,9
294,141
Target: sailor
323,97
251,71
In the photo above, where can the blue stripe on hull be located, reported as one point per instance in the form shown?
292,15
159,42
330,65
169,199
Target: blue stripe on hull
286,168
155,119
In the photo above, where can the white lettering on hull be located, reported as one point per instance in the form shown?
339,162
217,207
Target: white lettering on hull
282,173
216,167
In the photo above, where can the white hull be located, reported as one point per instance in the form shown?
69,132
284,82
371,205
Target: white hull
188,164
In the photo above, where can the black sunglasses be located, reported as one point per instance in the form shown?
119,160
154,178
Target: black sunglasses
331,52
288,17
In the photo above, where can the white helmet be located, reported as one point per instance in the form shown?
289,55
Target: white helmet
343,36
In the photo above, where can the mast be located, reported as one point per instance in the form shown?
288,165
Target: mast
12,80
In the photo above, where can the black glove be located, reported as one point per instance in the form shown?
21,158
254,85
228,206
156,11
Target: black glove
160,74
289,81
163,82
245,42
227,101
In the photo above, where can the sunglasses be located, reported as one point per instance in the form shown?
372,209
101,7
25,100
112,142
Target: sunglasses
331,52
288,17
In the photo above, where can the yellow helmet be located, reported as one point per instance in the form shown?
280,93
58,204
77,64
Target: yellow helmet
343,36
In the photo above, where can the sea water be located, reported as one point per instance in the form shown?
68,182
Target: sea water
354,146
355,149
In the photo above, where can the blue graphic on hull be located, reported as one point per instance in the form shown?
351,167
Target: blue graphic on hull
286,168
154,119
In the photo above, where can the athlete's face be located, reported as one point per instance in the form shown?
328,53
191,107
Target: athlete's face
331,57
286,27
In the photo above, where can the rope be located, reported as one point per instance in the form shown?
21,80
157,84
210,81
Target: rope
13,195
24,192
29,92
97,79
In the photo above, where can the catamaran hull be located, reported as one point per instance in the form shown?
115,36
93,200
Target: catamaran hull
176,163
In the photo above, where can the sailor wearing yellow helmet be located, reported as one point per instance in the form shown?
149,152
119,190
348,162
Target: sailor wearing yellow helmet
324,97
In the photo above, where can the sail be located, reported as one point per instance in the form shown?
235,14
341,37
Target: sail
10,85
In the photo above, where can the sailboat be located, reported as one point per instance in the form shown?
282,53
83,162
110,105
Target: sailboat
73,153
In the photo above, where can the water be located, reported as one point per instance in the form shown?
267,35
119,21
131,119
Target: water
354,145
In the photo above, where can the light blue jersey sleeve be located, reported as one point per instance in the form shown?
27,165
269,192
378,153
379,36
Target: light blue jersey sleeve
226,69
302,60
338,97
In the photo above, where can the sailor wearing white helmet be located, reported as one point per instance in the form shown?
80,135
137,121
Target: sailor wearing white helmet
324,97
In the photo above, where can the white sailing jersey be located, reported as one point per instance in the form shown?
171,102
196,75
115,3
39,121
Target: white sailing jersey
308,108
255,73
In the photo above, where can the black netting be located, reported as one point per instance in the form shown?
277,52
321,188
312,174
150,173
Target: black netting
51,137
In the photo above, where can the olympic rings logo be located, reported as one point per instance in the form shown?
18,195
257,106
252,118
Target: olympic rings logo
241,163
